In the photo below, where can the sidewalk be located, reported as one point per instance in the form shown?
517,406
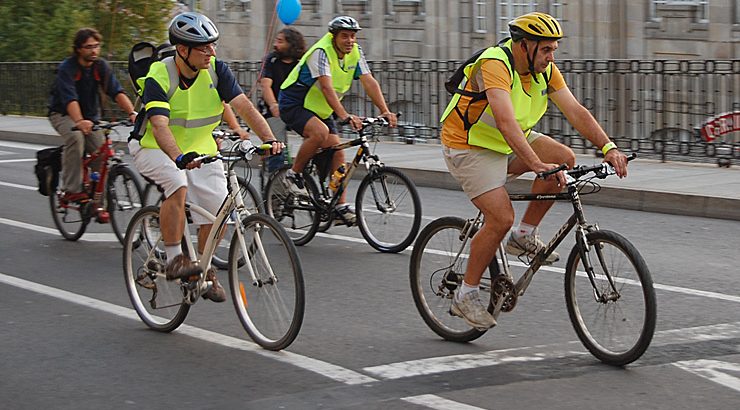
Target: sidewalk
673,187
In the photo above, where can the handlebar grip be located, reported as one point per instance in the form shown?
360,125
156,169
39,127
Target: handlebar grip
561,167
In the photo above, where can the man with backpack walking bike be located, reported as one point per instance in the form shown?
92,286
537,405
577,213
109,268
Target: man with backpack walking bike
487,135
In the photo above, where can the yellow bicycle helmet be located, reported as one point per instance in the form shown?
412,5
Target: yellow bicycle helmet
535,26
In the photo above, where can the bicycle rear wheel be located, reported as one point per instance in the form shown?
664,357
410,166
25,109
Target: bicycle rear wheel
388,209
158,302
70,218
618,326
253,203
435,273
125,197
270,305
297,214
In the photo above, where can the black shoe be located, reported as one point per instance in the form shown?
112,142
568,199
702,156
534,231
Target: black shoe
181,267
294,184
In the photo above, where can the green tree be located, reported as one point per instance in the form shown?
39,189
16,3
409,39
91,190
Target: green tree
40,30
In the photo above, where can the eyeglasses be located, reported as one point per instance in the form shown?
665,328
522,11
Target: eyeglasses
208,48
91,46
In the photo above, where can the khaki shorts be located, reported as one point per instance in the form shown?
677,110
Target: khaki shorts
481,170
206,185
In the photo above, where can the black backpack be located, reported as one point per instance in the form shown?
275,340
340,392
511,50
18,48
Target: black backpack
452,85
47,168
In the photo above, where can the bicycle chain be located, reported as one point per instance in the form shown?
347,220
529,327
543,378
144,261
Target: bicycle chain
503,287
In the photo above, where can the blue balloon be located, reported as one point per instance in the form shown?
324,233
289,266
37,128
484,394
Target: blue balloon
288,10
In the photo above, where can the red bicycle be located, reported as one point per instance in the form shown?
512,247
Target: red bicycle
113,193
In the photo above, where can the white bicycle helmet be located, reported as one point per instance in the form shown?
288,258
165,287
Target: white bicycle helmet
344,23
192,29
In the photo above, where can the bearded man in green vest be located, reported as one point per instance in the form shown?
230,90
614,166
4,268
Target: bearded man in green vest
487,135
310,98
184,98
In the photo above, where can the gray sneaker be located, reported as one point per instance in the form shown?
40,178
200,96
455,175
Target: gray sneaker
348,213
216,293
294,184
472,311
529,245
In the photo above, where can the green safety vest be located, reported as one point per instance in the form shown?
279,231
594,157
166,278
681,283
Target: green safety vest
341,77
528,108
194,112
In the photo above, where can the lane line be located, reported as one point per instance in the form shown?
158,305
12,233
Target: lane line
25,145
438,403
325,369
87,237
713,370
19,186
442,364
4,161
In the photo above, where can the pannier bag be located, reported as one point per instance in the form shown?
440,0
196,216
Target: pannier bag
47,168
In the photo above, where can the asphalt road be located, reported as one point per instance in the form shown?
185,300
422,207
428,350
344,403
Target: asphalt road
70,339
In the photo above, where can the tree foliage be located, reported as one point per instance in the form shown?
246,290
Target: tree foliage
42,30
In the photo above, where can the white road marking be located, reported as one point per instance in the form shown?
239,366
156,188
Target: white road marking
24,145
713,370
326,369
442,364
16,160
19,186
87,237
438,403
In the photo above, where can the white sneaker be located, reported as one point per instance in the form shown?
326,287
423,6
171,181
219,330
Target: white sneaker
529,246
348,213
472,311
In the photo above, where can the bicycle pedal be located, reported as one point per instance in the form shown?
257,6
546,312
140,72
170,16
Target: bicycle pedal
103,217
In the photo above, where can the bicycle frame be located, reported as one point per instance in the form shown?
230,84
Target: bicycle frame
105,153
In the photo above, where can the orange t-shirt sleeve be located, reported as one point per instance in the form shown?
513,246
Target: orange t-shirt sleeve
556,80
495,75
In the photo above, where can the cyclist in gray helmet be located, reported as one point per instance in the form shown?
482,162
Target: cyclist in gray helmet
184,98
310,98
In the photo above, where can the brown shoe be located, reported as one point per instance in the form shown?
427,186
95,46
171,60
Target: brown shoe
216,293
181,267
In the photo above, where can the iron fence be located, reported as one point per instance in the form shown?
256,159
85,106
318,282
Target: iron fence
656,107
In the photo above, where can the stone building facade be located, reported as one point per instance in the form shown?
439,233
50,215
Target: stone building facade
452,30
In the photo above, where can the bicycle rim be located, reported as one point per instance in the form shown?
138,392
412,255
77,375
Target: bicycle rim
270,306
125,198
617,331
71,219
157,301
388,210
296,214
435,275
253,204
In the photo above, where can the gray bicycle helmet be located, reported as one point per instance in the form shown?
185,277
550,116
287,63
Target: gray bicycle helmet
344,23
192,29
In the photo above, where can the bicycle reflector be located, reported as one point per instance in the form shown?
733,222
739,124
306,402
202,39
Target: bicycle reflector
244,294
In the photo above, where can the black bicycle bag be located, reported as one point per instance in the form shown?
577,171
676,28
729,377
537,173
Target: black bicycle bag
47,169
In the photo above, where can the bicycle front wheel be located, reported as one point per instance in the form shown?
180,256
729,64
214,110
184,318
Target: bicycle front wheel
125,197
267,290
158,302
436,272
388,209
253,204
70,218
614,310
296,213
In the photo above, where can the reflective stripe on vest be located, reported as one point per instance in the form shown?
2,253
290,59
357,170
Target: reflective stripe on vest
194,112
528,108
341,78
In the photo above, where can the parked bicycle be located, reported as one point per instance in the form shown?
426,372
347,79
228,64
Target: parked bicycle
387,205
114,193
608,288
265,274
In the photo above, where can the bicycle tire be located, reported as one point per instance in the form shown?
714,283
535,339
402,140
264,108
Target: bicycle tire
70,219
158,302
381,190
125,197
271,316
431,263
298,215
602,326
254,204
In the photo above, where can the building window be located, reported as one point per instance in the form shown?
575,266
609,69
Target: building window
702,8
508,10
479,16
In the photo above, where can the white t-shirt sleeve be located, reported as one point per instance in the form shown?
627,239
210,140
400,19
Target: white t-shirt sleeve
318,64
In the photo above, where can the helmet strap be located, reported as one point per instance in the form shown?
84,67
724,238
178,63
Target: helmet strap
530,60
185,59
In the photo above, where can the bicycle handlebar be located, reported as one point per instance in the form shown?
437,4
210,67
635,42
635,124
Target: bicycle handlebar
601,171
105,125
368,121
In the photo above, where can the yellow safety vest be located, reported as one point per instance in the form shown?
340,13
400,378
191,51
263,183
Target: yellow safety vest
194,112
528,107
341,77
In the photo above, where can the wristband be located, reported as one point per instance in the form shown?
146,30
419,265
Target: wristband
607,147
179,157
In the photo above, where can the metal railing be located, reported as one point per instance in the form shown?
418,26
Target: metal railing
655,107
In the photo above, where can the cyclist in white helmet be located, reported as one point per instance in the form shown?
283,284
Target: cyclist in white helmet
183,99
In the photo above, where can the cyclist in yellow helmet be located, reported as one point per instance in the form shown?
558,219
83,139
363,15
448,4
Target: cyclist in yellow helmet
487,135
